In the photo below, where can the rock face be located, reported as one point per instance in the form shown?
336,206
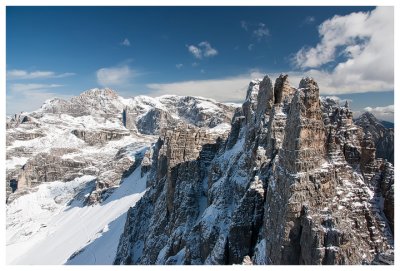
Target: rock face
295,182
94,134
178,158
101,136
383,137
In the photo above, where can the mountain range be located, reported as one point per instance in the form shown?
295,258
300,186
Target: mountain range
286,178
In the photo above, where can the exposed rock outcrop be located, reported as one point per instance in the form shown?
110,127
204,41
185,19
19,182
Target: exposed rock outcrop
295,182
179,157
99,137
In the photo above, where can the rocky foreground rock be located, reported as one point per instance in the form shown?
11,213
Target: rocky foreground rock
294,182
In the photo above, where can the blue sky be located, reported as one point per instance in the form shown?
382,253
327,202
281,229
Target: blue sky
203,51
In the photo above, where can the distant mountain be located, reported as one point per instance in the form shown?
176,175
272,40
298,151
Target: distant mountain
382,136
74,153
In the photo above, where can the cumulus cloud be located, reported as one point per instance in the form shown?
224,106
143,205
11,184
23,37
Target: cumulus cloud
208,51
360,46
203,49
23,74
114,76
126,42
383,113
227,89
339,100
195,51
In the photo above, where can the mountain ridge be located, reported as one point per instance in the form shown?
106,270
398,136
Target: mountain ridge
287,178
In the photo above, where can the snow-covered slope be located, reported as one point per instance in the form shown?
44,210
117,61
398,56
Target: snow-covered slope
45,227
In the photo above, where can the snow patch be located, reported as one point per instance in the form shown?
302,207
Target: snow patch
16,161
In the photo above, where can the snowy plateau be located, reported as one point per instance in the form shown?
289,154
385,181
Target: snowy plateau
285,178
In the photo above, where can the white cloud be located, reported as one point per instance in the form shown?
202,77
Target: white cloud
382,113
261,31
114,76
207,49
126,42
362,44
339,100
179,66
196,52
232,89
203,49
23,74
31,87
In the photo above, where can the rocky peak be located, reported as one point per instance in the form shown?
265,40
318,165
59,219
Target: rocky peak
304,188
104,93
383,137
250,104
368,117
311,96
309,83
282,89
305,148
265,99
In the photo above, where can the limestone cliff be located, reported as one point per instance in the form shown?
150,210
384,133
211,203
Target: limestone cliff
295,182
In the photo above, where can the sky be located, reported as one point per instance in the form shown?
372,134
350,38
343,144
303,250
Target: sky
202,51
